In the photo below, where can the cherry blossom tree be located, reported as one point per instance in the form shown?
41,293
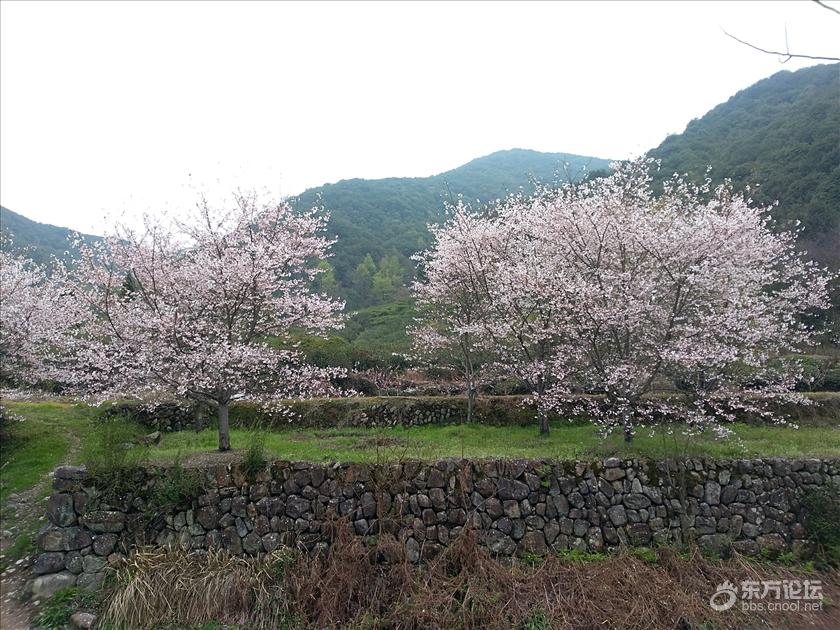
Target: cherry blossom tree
32,312
691,291
499,262
187,309
525,301
450,329
604,286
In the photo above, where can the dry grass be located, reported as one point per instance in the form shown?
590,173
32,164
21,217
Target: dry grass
357,585
162,587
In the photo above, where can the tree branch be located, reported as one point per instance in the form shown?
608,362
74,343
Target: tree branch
825,6
788,55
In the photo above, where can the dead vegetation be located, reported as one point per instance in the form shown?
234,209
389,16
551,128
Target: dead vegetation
370,584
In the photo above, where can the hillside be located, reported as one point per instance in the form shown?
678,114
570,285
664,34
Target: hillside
41,240
782,133
388,217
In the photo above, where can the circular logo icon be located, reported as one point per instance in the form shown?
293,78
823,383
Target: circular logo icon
724,597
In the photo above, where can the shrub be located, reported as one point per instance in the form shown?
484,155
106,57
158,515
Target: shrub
255,459
114,461
175,487
821,508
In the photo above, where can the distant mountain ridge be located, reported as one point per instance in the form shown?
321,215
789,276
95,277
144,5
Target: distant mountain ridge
782,134
384,217
41,241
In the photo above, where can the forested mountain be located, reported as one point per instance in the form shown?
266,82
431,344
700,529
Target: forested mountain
783,134
380,223
40,240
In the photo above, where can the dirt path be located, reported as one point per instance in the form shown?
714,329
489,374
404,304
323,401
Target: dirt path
24,512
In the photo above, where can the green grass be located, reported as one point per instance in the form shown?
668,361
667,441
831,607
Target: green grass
480,441
47,436
41,442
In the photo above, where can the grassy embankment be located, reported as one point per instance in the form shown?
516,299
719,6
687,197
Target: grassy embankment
49,430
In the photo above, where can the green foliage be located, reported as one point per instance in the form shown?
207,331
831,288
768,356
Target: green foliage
387,218
538,620
822,373
378,334
57,610
532,559
645,554
325,281
783,134
114,461
821,508
175,487
255,459
281,561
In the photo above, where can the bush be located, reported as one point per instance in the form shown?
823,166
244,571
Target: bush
821,507
169,416
359,384
175,487
114,461
255,456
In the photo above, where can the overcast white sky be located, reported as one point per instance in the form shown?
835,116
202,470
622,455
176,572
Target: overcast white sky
110,108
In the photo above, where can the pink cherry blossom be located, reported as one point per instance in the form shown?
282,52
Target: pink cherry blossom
33,311
188,308
607,287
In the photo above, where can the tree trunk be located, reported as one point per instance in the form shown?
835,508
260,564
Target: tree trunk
224,428
470,398
628,426
200,417
542,414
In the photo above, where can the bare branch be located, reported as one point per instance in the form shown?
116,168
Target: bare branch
825,6
787,55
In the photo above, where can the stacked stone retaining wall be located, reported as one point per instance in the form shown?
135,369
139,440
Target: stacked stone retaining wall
518,507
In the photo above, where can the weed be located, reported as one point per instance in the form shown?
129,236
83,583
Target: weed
821,507
175,487
255,456
114,462
169,587
532,559
280,562
645,554
573,555
57,610
537,621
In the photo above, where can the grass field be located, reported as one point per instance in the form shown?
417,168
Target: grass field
478,441
49,434
52,431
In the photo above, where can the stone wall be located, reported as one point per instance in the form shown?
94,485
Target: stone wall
379,411
389,411
518,507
